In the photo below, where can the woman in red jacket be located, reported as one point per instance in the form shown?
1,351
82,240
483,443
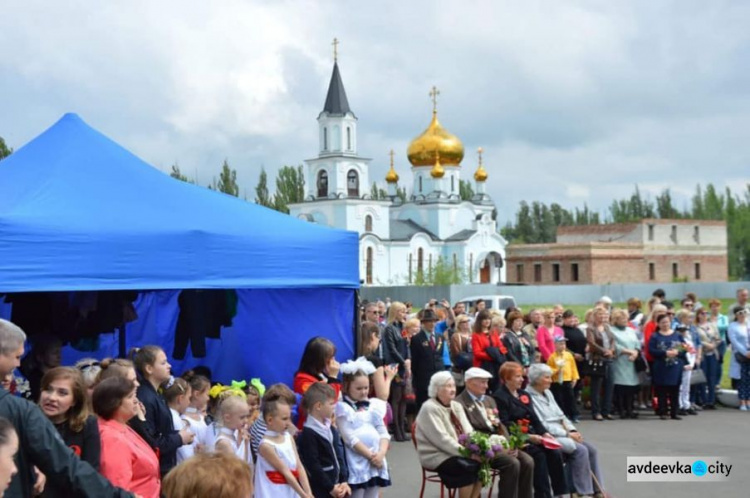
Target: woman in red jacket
318,364
489,351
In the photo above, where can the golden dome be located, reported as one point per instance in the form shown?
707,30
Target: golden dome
391,176
437,170
480,174
423,150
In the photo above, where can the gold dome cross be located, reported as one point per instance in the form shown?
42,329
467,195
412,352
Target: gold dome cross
434,95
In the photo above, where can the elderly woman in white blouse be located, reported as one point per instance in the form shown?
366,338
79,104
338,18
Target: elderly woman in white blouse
582,454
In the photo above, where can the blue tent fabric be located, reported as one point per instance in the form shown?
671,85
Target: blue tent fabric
80,212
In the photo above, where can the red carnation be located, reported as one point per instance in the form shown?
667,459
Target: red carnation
525,429
524,399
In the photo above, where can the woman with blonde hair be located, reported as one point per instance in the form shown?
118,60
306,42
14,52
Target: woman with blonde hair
396,352
624,373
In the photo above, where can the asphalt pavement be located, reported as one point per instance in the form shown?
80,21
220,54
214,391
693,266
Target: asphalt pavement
724,433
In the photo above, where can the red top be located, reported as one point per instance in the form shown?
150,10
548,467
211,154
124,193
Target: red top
648,329
127,460
302,381
545,339
479,344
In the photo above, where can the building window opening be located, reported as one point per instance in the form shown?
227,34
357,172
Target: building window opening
352,183
574,272
651,271
675,270
537,272
322,183
697,271
555,272
368,223
519,273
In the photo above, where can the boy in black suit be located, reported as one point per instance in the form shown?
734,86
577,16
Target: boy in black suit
319,445
426,355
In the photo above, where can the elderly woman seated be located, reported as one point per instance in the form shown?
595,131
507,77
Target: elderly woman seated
439,423
582,454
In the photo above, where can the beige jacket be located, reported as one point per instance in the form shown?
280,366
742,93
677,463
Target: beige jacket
436,438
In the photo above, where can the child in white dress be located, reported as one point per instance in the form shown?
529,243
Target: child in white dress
193,415
177,394
360,421
278,471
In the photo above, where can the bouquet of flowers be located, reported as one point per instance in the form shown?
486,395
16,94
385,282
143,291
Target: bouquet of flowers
519,434
682,347
484,446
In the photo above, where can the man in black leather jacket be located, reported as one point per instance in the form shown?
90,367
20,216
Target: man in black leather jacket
40,444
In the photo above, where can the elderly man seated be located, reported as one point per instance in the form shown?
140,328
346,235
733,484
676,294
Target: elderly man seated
582,454
516,468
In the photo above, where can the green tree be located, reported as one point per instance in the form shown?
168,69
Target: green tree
228,180
441,273
664,207
5,151
262,196
401,193
177,174
290,188
465,190
377,193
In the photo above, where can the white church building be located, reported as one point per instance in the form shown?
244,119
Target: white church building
401,241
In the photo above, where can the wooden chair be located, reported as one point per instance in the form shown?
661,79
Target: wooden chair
429,475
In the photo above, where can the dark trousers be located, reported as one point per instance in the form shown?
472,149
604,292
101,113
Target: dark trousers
711,367
565,398
548,465
398,405
516,475
624,397
671,393
602,405
420,396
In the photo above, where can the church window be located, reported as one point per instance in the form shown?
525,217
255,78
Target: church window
325,138
453,184
352,183
369,265
348,138
368,223
420,184
420,260
322,183
411,260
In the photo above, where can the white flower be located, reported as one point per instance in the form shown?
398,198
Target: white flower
497,439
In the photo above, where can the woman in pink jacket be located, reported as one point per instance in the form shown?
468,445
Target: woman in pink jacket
546,333
126,459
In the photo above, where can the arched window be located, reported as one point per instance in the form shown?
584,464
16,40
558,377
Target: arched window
322,183
352,183
368,223
368,270
325,138
420,260
420,184
348,138
453,184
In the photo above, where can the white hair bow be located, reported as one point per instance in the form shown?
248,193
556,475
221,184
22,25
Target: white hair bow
361,364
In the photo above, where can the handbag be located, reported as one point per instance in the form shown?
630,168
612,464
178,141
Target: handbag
594,368
640,363
741,358
698,377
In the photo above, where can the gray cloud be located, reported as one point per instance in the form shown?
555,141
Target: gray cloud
572,101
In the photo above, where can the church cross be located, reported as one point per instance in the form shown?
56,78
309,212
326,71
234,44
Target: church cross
434,95
391,154
335,49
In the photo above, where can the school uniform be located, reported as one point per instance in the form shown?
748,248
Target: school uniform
322,454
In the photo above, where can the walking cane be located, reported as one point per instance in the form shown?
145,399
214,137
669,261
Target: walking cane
599,486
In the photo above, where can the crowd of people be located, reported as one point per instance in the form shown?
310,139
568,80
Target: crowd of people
130,427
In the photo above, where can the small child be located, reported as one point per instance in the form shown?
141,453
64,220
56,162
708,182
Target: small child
177,392
564,378
258,429
360,421
194,414
253,402
230,427
320,448
279,472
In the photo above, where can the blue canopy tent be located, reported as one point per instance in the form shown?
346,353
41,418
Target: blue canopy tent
78,212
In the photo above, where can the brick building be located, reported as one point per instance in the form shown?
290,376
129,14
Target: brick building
652,250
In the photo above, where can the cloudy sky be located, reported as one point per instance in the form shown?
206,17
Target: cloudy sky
572,101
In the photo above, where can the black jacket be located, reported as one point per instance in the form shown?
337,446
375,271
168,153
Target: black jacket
324,462
396,349
159,426
424,360
40,445
513,409
86,445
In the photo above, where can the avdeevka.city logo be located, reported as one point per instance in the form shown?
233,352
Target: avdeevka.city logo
678,469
